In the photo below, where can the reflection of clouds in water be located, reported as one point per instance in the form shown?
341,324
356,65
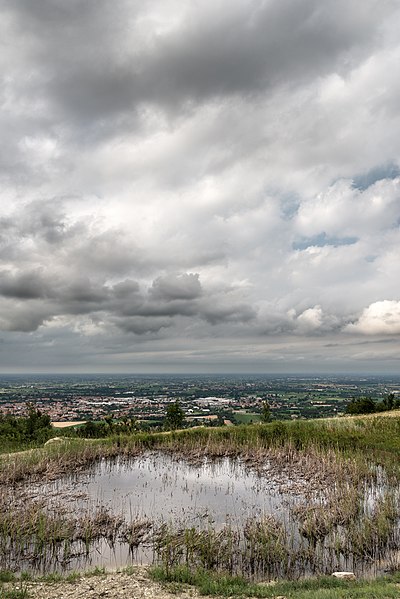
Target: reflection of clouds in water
160,487
171,491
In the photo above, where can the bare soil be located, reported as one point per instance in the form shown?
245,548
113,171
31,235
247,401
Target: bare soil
67,424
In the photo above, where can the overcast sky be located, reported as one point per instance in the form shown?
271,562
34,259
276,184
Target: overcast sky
200,186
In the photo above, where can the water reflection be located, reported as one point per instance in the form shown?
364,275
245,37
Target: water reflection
159,487
290,529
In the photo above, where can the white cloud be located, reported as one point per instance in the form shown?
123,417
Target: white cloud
342,210
310,320
380,318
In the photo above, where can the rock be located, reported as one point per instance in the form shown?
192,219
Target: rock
54,440
344,575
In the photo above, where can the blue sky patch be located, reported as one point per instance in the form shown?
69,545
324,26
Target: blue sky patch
322,240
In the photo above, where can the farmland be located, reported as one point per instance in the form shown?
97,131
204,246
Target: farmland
238,399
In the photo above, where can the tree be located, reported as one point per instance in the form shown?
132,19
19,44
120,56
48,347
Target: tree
109,420
174,416
265,412
37,425
361,405
389,402
19,432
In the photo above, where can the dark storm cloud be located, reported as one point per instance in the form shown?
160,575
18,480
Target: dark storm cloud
125,289
140,325
83,291
256,46
47,220
217,313
27,285
176,287
181,295
108,252
42,231
123,304
39,224
26,315
96,61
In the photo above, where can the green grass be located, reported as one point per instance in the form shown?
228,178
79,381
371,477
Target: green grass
14,589
7,576
181,579
97,571
54,577
246,417
14,594
378,437
210,584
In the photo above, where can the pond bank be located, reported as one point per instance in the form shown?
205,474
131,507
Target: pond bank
137,583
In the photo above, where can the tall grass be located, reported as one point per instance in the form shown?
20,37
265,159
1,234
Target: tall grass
365,441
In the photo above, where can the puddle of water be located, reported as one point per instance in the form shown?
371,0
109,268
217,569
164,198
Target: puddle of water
161,488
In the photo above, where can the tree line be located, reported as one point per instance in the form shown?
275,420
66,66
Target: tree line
17,432
367,405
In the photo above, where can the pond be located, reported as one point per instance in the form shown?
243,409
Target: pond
215,513
161,487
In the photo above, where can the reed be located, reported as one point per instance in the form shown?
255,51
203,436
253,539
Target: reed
268,548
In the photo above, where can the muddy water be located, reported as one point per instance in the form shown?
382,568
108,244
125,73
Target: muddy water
156,490
161,488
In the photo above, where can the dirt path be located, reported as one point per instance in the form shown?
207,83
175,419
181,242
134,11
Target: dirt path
109,586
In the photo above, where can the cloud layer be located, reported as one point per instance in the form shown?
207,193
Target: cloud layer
199,186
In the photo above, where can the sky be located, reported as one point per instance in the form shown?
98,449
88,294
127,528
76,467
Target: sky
200,186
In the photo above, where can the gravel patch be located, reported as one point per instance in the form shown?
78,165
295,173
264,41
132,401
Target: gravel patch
113,585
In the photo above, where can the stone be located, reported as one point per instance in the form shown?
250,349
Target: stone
54,440
344,575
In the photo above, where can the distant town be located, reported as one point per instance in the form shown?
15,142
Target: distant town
204,399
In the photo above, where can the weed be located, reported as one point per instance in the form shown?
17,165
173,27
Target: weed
97,571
